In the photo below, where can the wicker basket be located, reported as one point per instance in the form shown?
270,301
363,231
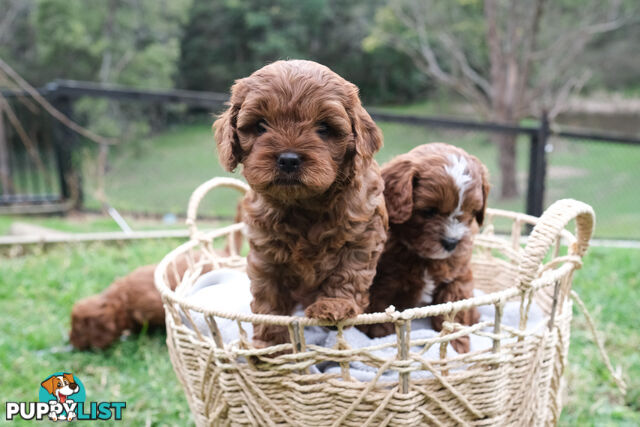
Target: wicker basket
517,381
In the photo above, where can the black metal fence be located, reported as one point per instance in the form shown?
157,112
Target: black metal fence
30,172
45,178
542,138
538,144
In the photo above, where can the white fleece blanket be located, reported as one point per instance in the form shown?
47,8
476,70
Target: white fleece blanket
228,291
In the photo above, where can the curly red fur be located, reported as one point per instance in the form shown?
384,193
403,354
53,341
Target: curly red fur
127,304
316,235
421,197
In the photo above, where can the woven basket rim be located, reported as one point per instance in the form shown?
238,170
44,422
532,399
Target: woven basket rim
370,318
547,229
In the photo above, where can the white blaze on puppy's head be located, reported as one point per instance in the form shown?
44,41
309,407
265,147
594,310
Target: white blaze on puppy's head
459,172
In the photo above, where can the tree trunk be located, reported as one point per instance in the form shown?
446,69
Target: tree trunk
506,144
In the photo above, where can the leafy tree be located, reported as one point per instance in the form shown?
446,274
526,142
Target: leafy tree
17,44
229,39
510,59
614,60
132,42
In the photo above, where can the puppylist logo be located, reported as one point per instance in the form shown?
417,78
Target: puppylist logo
62,397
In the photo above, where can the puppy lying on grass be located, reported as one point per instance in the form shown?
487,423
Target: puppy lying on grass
128,304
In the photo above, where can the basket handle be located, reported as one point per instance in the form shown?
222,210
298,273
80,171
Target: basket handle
548,229
202,190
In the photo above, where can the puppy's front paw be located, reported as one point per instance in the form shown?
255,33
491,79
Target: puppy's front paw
474,316
461,345
268,335
260,344
333,309
380,330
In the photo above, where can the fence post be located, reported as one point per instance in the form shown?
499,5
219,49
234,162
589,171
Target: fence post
538,167
64,143
5,166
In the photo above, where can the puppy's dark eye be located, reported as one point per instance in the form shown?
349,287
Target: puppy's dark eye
260,127
428,213
324,130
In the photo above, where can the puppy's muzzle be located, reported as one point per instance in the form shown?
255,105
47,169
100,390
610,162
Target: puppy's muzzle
289,162
449,244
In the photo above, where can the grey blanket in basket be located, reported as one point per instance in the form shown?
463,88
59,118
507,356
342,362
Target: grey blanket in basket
227,290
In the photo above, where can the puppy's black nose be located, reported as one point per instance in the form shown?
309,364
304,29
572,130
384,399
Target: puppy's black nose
73,386
289,162
449,244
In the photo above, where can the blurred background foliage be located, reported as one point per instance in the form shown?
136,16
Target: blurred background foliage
205,45
228,39
200,44
132,42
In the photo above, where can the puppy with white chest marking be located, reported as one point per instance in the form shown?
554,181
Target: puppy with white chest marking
436,197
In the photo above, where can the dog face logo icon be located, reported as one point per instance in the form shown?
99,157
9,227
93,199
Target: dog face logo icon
61,386
63,391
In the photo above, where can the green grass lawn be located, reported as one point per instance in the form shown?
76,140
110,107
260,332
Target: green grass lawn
38,290
64,224
158,174
90,223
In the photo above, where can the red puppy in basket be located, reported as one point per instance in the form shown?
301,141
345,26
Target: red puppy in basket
315,215
436,196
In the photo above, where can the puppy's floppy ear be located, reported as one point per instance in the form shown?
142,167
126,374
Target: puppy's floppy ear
398,190
484,174
367,134
48,384
226,132
69,377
